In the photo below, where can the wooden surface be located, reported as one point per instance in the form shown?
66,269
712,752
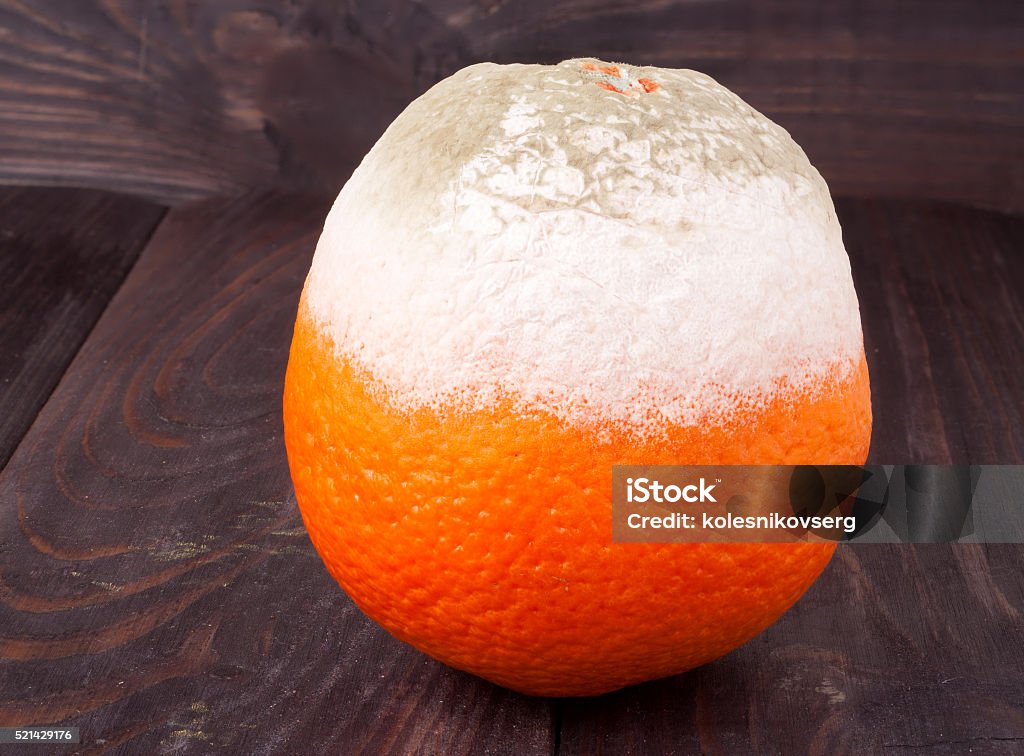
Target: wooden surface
63,253
158,591
941,290
175,99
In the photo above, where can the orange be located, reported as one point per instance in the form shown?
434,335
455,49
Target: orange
483,537
539,272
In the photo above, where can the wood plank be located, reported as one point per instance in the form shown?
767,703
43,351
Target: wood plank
941,299
896,648
157,588
63,254
917,99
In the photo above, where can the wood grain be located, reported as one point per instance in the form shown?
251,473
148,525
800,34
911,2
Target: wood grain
157,588
174,99
940,291
63,254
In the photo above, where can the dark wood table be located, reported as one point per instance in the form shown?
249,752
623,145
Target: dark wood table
158,590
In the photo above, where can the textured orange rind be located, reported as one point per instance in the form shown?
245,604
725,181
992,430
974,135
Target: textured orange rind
483,538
